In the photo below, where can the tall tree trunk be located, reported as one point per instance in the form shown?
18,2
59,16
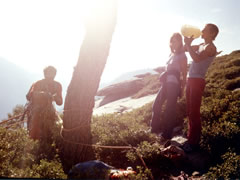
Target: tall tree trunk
79,101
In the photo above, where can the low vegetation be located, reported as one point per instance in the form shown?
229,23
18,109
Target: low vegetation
23,157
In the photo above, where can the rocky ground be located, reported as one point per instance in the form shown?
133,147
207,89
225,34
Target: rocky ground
122,105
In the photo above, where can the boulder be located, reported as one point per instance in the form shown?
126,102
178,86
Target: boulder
120,91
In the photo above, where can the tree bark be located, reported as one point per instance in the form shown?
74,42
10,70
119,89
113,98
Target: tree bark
79,101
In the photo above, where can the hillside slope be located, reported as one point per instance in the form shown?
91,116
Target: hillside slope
224,73
15,83
219,155
217,158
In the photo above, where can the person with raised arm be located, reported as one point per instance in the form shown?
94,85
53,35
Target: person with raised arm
202,56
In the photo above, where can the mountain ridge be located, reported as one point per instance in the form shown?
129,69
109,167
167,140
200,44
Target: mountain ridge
15,83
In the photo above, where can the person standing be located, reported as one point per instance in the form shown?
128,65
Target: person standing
42,114
173,82
202,56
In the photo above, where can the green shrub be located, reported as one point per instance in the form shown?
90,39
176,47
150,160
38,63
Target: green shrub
143,114
220,114
143,173
118,130
220,123
233,84
15,151
228,169
236,62
20,157
153,157
234,72
48,169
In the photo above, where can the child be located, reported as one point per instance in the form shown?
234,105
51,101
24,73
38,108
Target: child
202,56
172,85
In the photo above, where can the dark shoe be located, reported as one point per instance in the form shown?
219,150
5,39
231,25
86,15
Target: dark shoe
189,148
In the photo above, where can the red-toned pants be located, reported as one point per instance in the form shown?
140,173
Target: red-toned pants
194,92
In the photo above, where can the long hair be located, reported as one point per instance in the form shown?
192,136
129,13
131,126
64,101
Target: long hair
178,37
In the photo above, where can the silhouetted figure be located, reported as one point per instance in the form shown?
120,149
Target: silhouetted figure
173,82
202,56
42,114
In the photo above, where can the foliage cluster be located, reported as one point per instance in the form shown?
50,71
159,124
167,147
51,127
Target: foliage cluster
220,115
228,169
118,130
22,157
129,129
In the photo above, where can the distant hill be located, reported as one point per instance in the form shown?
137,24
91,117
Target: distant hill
15,83
127,76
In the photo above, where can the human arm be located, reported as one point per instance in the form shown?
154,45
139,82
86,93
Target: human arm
36,94
57,97
194,47
30,93
183,66
209,50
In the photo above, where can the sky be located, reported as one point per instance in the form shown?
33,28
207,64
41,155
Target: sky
38,33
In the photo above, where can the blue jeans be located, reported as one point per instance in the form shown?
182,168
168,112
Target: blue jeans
168,92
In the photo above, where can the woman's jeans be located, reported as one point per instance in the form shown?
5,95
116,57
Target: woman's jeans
168,92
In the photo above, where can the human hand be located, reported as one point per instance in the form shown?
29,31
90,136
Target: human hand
219,53
188,41
54,96
48,95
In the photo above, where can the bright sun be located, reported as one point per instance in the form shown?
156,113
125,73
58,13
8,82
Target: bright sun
40,35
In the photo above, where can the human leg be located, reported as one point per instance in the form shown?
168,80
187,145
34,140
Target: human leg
188,87
169,119
195,90
156,110
34,130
